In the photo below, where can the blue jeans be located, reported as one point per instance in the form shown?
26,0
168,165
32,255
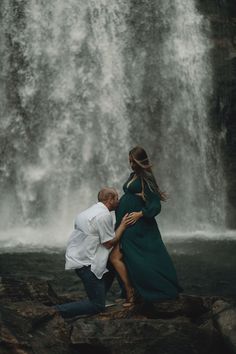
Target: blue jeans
96,290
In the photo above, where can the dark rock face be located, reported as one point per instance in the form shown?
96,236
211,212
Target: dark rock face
29,327
222,16
225,321
188,325
32,290
178,335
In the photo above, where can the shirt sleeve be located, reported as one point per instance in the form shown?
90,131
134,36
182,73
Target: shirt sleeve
105,227
152,203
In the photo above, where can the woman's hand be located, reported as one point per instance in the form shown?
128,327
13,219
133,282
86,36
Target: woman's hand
132,218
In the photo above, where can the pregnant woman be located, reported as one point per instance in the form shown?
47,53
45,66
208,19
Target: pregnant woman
150,268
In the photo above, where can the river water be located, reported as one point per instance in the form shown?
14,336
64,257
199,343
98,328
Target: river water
204,267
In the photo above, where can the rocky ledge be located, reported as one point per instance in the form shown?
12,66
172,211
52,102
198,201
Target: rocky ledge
191,325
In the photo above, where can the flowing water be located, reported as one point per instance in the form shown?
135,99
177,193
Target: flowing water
190,165
83,82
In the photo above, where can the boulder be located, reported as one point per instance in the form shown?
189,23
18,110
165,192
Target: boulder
225,321
190,324
141,336
30,327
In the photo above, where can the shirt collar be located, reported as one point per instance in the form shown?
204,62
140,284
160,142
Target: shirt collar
102,205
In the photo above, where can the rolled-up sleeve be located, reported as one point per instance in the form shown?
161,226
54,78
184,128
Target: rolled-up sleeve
105,227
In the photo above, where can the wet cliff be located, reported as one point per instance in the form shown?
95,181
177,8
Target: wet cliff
222,16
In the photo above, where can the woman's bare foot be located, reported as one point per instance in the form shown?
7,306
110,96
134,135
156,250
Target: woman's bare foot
120,301
130,298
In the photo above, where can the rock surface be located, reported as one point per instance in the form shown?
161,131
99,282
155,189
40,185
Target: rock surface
28,327
177,335
225,321
20,290
187,325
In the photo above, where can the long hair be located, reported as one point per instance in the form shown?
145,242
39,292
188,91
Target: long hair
143,170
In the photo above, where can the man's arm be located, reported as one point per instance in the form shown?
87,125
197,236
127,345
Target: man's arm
119,231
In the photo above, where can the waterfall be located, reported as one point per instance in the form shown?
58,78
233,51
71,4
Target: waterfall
190,163
81,83
66,118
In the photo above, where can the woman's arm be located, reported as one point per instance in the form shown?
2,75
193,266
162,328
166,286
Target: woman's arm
150,210
152,205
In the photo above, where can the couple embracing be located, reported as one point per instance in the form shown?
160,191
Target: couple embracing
134,249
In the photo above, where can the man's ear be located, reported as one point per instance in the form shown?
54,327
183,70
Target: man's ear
111,198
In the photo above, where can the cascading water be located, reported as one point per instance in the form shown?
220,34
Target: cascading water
81,83
70,118
190,163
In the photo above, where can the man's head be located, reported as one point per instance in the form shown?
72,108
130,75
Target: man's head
109,197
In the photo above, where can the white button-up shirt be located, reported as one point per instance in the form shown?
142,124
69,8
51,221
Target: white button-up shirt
93,227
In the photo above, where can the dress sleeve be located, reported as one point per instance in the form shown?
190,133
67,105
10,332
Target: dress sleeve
152,203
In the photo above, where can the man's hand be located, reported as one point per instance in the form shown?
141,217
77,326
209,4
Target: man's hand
125,221
121,228
132,218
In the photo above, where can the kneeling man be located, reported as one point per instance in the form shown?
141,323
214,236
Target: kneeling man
88,250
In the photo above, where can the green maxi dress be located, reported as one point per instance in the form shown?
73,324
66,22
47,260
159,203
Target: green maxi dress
149,265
